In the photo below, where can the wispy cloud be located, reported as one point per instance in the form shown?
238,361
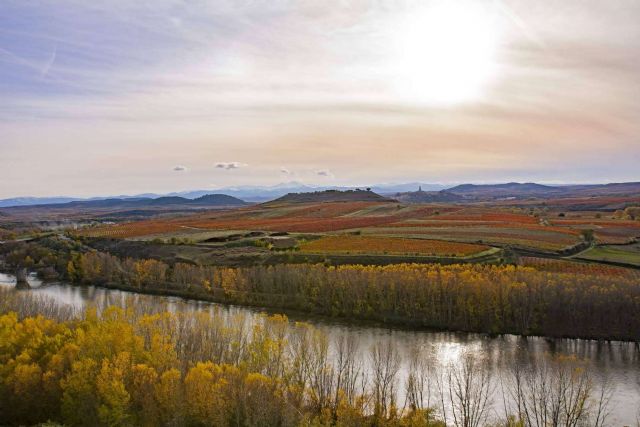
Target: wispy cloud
325,173
230,165
307,85
47,66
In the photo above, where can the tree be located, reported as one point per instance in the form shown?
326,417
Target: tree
143,398
115,400
169,395
72,272
558,391
587,235
385,362
80,400
468,391
205,397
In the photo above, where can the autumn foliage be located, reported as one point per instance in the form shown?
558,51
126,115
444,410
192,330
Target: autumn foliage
140,365
468,297
546,298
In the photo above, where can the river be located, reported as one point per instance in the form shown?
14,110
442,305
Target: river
617,361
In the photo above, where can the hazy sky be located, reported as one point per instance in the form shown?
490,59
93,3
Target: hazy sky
118,97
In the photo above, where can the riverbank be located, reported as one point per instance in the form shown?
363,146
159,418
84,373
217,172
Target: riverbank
301,315
615,361
282,306
479,298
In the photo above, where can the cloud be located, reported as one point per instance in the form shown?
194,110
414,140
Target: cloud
47,66
222,78
180,168
230,165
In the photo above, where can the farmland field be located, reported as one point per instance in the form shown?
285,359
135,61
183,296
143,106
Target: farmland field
606,230
567,266
527,228
381,245
514,236
627,254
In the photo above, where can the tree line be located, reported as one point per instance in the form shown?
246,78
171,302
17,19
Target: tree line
139,364
466,297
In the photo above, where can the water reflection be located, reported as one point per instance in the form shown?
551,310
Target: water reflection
618,361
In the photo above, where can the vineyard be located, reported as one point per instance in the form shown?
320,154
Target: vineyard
132,229
323,210
492,226
398,224
563,266
521,237
325,217
475,215
294,224
607,231
380,245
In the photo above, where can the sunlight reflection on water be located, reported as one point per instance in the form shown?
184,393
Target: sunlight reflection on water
617,360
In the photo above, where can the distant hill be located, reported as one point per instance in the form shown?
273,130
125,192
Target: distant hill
265,193
511,189
333,196
210,200
526,190
246,192
612,189
30,201
218,200
443,196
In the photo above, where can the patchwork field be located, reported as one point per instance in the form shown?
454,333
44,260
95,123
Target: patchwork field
607,230
380,245
539,238
489,225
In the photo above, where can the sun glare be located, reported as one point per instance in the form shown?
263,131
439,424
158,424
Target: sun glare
445,54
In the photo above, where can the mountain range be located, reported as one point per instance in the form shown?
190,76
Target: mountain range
530,189
413,192
209,200
247,193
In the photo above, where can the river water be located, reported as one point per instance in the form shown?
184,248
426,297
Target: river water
616,361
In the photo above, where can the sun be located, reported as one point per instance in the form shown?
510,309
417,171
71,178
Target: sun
445,53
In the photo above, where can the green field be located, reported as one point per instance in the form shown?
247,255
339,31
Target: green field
627,254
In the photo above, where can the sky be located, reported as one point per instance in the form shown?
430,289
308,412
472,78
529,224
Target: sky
121,97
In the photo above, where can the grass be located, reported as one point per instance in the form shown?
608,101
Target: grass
626,254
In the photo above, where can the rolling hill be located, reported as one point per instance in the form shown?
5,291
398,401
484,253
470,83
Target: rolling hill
511,189
209,200
526,190
332,196
443,196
